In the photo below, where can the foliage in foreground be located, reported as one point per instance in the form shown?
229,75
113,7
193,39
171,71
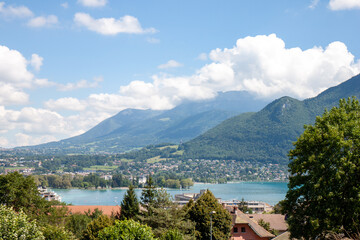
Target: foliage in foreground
126,229
16,225
324,187
95,226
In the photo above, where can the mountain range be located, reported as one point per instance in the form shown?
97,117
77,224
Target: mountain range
234,125
133,128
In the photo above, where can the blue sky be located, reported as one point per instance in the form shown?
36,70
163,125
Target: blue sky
67,65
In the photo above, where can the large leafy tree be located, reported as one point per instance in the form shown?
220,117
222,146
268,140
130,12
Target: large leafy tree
129,205
201,211
324,187
19,192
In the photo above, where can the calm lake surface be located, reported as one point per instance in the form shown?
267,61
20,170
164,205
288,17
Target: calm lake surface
269,192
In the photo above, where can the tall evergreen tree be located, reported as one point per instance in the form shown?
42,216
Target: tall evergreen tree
148,195
129,205
166,215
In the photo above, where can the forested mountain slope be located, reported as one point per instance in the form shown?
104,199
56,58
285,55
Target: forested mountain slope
267,135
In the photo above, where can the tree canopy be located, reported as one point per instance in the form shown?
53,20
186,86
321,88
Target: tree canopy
126,229
324,187
200,213
19,191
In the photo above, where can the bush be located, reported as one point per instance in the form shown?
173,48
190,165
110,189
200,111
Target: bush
16,225
127,229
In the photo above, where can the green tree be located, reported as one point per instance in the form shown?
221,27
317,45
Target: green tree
19,192
165,215
162,199
95,226
77,223
200,213
278,208
52,232
186,183
129,205
324,186
173,234
148,195
16,225
126,229
244,207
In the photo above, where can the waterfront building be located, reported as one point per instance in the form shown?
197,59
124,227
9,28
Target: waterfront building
48,195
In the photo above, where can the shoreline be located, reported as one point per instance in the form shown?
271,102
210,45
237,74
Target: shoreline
172,189
269,192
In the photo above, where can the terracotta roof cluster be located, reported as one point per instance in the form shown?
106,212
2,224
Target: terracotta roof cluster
277,221
242,218
283,236
107,210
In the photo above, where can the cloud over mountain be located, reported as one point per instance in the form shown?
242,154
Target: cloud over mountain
261,65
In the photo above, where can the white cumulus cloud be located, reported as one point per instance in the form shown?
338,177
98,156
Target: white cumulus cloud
344,4
262,65
80,84
111,26
93,3
10,95
68,103
36,61
28,140
43,21
170,64
15,12
13,68
43,82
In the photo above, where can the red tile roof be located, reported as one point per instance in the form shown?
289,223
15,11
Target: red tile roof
277,221
107,210
241,218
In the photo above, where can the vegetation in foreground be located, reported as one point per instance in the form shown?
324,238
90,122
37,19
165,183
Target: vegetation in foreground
28,216
324,189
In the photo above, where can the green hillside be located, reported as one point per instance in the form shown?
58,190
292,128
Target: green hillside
268,134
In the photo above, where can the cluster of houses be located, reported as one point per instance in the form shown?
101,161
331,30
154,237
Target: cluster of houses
246,226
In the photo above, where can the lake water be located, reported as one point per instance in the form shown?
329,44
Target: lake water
270,192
